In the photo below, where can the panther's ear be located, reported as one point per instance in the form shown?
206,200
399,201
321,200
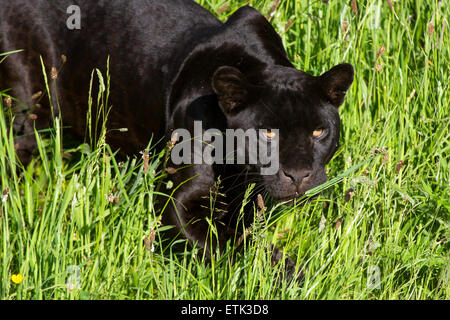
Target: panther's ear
336,82
231,88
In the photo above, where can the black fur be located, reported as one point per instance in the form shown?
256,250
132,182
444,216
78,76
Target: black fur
172,62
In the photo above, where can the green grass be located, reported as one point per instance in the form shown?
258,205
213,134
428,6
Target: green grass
90,219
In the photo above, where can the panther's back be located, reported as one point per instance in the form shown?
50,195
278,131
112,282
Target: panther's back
141,37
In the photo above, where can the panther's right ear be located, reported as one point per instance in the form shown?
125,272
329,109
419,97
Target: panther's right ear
231,88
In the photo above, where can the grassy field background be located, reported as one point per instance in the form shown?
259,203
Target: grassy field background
85,226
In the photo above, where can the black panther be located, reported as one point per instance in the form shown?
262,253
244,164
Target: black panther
172,63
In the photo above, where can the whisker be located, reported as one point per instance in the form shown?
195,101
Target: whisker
256,190
248,181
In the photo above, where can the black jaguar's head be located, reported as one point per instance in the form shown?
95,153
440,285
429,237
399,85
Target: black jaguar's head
303,109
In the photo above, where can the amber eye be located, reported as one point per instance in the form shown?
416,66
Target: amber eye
270,134
317,133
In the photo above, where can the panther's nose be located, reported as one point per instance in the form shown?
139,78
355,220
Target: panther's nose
296,177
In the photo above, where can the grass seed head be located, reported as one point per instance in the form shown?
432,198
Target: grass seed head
243,236
344,27
349,194
391,6
173,140
411,95
354,7
146,158
152,236
36,95
287,25
5,191
110,197
261,202
8,101
222,9
273,9
430,28
147,244
381,150
54,73
171,170
399,166
381,51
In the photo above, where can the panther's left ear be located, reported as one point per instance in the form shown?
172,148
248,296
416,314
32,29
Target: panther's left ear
336,82
231,88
